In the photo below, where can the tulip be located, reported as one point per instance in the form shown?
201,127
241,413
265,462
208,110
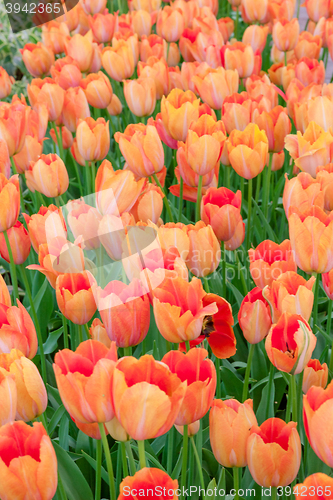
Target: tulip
155,46
97,331
53,36
315,374
8,393
102,26
248,151
71,17
6,82
46,92
125,312
93,6
254,10
308,46
221,209
31,151
170,24
276,124
38,58
178,111
66,72
140,96
75,296
19,242
237,239
174,235
80,48
274,453
158,70
302,191
48,176
13,125
327,279
325,180
84,380
269,260
290,343
149,205
40,231
93,138
230,423
98,90
4,159
317,406
239,57
4,293
146,387
255,36
200,375
118,62
66,136
17,330
317,9
147,480
9,202
314,487
239,110
31,392
31,466
285,34
254,316
115,107
204,253
83,221
215,85
311,237
142,149
76,107
310,71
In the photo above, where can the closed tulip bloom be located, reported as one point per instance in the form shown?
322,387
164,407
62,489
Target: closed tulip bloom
19,241
317,408
54,35
256,36
178,111
140,96
9,201
66,135
40,231
149,205
269,260
115,107
327,280
311,237
237,239
220,208
80,48
158,70
13,126
8,394
230,423
66,72
28,463
6,82
17,330
310,71
147,396
93,138
315,374
240,57
214,86
92,7
147,480
118,61
84,380
238,110
254,10
290,293
170,24
76,107
4,159
302,191
274,452
205,253
75,296
4,293
38,58
98,90
102,26
325,179
248,151
285,34
83,221
308,46
125,312
156,46
48,175
200,375
276,124
317,486
290,343
254,316
142,149
47,92
317,9
31,392
31,151
97,331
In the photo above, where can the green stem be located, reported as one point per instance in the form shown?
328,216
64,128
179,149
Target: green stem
224,276
258,186
249,210
171,438
294,397
270,386
199,466
65,327
36,322
181,184
289,403
87,176
98,469
108,462
165,199
142,454
285,59
240,271
315,304
127,351
247,373
188,347
236,24
199,195
12,269
93,176
184,463
274,493
235,472
206,284
80,333
124,459
59,142
218,377
77,173
265,197
42,418
21,195
328,329
130,458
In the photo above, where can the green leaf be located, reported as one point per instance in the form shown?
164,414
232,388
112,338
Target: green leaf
56,419
272,236
233,385
52,341
93,464
209,462
74,482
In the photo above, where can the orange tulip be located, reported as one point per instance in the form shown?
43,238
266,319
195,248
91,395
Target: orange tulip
254,10
92,7
318,109
102,26
142,149
311,237
19,242
178,111
204,253
115,107
149,205
302,191
48,175
83,221
214,86
317,9
118,61
290,343
158,70
147,480
237,239
71,17
6,82
254,316
310,71
66,135
317,407
31,151
4,293
28,463
238,110
13,126
276,124
315,374
141,389
46,92
9,202
316,487
98,90
274,452
125,312
38,58
170,24
97,331
84,380
93,138
269,260
4,159
80,48
75,107
54,35
75,296
240,57
17,330
140,96
200,375
40,231
8,394
66,72
248,151
221,209
327,279
285,33
256,36
156,46
308,46
325,179
230,423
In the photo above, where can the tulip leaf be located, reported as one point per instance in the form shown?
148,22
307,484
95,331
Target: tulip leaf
209,463
56,419
51,343
150,458
233,385
74,482
92,462
272,236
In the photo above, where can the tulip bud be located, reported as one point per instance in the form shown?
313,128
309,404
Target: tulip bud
248,151
315,374
115,107
76,107
98,90
19,242
254,316
118,62
9,201
80,48
140,96
170,24
205,253
97,331
93,138
75,296
48,176
6,82
38,58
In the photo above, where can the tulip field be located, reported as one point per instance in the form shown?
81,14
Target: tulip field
166,249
